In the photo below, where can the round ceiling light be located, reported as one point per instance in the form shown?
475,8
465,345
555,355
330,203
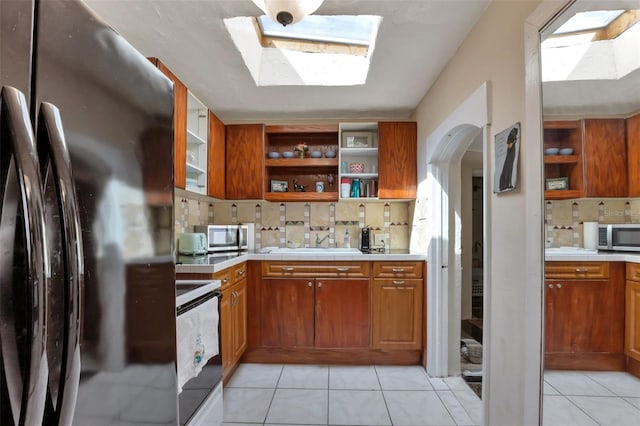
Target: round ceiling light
287,12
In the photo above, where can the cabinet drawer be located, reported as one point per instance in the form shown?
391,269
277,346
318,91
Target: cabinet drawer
633,271
397,269
315,269
238,272
224,276
577,270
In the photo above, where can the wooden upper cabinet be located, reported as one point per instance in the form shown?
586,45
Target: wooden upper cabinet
179,125
397,153
605,158
562,135
633,155
216,168
245,161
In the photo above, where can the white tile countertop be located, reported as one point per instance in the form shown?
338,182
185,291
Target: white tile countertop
577,254
301,254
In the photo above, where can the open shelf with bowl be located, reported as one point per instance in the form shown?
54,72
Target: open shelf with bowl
563,160
312,168
358,160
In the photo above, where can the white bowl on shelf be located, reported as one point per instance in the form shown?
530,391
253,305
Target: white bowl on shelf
287,154
274,154
551,151
566,151
315,154
330,154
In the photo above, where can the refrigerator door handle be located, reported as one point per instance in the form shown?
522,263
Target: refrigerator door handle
56,164
21,187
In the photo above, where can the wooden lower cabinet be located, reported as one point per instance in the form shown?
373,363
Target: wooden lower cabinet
233,317
226,331
397,313
632,329
584,321
321,313
342,313
239,319
287,307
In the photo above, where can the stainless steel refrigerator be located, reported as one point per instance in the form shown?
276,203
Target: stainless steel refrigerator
87,291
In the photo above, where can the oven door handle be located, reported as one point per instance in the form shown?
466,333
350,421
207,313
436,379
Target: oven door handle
21,185
55,165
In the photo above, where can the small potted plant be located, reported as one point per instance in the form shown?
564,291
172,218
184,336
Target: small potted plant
301,149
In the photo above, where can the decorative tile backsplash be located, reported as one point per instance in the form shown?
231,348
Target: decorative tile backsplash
300,224
564,218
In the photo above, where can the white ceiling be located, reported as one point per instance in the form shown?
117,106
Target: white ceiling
415,41
595,97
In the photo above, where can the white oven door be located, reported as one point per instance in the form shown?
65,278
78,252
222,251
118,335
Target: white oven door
197,337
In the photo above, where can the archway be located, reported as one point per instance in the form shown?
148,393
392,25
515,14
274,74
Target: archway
445,148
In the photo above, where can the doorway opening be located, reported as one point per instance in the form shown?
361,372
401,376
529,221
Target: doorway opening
464,133
471,324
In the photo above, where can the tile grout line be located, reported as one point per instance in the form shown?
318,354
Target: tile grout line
447,408
453,392
328,393
266,415
386,405
605,386
576,405
551,386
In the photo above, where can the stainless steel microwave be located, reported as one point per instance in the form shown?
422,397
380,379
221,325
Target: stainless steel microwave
227,237
220,237
619,237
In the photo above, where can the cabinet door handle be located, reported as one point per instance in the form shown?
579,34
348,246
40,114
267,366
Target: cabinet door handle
397,270
241,272
342,268
319,284
399,282
225,280
550,285
288,268
581,270
559,285
310,284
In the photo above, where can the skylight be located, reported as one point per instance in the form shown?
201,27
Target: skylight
598,45
317,51
359,30
591,20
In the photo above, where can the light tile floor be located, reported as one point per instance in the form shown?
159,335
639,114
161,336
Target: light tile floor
585,398
346,395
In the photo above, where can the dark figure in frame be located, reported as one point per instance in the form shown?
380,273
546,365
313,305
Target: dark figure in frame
507,169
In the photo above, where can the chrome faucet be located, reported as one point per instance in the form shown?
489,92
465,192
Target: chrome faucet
320,240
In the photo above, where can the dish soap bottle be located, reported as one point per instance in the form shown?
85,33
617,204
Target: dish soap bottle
347,239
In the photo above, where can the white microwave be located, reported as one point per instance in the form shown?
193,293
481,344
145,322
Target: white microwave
227,237
619,237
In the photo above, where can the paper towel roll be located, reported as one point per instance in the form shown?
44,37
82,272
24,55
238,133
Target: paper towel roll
590,235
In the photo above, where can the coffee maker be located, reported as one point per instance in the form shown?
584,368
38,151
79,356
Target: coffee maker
365,240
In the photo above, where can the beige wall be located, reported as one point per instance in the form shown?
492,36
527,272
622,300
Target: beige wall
494,52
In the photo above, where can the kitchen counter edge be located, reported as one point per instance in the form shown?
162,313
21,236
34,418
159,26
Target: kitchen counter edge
211,269
594,257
